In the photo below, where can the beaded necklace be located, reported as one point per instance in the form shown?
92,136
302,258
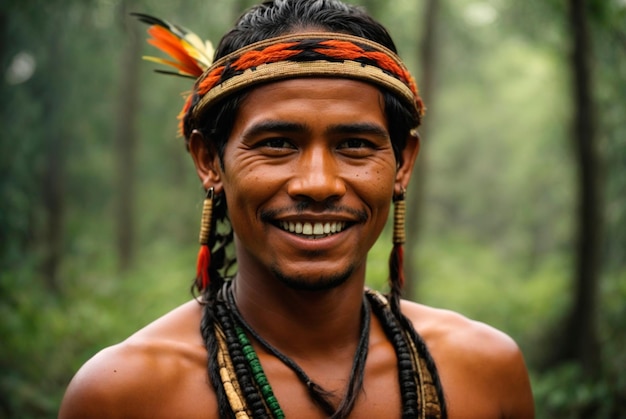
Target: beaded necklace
317,393
421,397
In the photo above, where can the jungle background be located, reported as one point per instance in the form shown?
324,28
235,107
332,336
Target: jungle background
517,211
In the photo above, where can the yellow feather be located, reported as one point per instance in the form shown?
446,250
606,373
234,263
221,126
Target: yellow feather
201,51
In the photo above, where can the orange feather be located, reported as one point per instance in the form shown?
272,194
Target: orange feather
173,46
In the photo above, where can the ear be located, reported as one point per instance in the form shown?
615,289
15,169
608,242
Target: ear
409,155
207,161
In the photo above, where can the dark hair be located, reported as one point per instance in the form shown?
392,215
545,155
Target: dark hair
263,21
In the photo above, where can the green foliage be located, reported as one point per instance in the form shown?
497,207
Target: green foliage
45,338
567,393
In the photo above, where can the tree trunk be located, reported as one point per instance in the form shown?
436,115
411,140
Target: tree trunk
417,189
581,341
53,187
126,140
54,146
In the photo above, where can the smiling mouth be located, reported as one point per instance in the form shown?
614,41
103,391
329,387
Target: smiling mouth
313,230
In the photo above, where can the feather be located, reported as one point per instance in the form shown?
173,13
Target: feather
191,56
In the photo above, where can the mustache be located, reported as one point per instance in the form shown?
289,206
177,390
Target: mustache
328,208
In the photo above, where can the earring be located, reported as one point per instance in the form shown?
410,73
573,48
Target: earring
396,260
204,255
399,212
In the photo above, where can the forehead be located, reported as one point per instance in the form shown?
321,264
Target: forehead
314,101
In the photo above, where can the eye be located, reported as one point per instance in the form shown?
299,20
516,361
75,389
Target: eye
276,143
356,147
275,146
355,143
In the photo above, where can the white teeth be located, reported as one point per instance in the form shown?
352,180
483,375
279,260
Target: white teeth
318,229
313,229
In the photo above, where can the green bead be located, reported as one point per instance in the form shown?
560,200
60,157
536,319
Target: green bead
259,375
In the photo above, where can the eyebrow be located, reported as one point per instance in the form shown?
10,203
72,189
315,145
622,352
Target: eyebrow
274,126
359,128
295,127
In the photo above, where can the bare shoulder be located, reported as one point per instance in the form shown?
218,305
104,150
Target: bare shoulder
479,366
157,371
445,329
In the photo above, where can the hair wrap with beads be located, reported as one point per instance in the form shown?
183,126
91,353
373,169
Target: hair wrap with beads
204,255
396,259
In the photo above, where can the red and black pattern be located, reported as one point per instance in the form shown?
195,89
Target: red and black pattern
302,48
306,49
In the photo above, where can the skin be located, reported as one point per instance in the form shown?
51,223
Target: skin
317,151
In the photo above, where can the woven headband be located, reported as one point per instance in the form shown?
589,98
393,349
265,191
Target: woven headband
318,54
309,54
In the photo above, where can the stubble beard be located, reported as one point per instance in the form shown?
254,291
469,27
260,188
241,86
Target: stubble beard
307,283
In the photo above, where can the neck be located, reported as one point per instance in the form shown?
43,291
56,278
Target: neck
302,322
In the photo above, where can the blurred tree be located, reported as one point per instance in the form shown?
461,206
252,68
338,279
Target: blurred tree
608,26
35,142
428,60
53,151
126,136
580,339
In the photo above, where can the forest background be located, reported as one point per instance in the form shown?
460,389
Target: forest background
517,212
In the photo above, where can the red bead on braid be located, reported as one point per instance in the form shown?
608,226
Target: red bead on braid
204,255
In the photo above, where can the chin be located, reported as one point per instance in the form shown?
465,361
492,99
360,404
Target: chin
303,282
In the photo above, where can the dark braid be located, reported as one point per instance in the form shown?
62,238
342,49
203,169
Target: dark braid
244,377
403,354
407,327
208,334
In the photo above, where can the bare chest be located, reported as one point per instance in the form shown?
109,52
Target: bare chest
378,397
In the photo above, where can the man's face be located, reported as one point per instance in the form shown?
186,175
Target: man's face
308,175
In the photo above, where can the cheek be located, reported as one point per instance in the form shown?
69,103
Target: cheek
375,184
247,189
256,182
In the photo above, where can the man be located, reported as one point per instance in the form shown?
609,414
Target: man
302,133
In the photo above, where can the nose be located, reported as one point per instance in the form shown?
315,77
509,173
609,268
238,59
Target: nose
317,176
